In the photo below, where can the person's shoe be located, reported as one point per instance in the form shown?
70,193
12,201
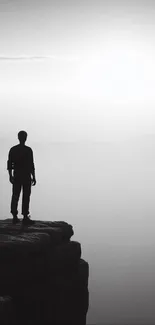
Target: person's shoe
27,222
15,220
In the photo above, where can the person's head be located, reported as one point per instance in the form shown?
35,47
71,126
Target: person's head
22,136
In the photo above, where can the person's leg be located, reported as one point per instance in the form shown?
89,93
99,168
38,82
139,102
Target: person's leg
26,202
16,189
26,198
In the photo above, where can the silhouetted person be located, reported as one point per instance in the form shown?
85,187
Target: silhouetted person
20,160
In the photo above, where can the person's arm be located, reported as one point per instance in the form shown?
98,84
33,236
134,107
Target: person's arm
33,174
33,169
10,166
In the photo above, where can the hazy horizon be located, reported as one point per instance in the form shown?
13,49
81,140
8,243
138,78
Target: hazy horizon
79,77
77,70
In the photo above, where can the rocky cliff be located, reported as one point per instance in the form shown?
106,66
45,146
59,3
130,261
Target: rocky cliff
43,279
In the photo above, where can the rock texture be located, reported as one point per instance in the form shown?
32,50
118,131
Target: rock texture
43,279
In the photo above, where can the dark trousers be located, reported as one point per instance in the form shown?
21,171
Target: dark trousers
25,186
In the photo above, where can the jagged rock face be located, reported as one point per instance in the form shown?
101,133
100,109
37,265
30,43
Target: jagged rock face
59,231
42,268
7,314
21,245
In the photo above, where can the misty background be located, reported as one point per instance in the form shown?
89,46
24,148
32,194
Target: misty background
79,77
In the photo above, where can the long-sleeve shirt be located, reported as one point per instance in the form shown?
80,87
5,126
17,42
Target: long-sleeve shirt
20,159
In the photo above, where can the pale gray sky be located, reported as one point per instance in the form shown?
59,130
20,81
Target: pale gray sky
77,70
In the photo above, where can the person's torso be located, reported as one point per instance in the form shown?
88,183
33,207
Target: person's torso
22,159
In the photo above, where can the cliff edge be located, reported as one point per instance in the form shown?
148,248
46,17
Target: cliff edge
43,279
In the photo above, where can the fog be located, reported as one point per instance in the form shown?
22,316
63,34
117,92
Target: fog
106,191
79,77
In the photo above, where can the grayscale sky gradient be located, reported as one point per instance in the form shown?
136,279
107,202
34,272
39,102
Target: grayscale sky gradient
80,70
